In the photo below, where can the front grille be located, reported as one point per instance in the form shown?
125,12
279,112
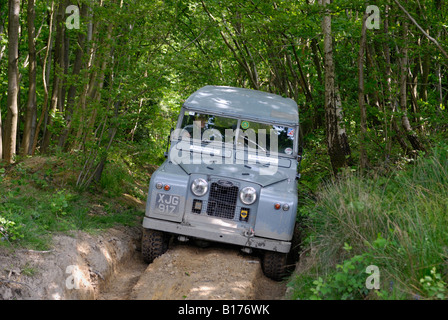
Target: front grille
222,201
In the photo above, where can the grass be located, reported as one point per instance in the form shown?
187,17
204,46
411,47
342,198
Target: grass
38,198
398,223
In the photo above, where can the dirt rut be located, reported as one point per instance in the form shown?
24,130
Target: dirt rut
217,272
108,266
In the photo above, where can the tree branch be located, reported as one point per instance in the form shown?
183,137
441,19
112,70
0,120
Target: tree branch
423,31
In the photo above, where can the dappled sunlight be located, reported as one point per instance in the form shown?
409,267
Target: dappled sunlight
83,247
203,291
243,103
235,289
56,296
106,254
188,272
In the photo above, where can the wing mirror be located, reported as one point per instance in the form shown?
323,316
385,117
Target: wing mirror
168,143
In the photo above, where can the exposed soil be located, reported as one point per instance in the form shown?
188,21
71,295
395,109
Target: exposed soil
121,284
218,272
78,266
108,266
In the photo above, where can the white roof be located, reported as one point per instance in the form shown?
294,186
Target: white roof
244,103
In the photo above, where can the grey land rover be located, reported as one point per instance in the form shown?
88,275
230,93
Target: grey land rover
229,177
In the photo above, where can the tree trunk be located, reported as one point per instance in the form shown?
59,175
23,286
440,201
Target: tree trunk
303,83
337,140
31,104
57,79
77,65
1,137
426,64
2,49
318,114
81,114
45,81
240,52
390,99
412,137
112,131
13,81
96,85
438,70
361,99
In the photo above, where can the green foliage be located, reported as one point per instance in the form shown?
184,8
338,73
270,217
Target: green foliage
315,166
9,231
114,180
59,203
34,205
396,222
346,283
434,286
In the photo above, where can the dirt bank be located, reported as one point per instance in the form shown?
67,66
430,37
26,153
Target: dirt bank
78,266
108,266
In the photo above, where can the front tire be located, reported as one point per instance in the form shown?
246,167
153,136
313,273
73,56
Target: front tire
274,265
296,242
154,244
277,265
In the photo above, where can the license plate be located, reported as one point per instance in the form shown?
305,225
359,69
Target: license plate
167,203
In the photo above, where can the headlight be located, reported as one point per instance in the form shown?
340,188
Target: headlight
199,187
248,195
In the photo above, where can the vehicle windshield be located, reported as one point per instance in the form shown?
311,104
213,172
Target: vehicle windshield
251,135
266,137
207,127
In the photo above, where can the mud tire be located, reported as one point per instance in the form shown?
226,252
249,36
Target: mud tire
294,253
274,265
154,244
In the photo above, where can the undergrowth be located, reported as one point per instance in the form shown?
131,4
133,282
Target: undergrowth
396,224
39,197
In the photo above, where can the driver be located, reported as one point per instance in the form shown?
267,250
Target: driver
199,123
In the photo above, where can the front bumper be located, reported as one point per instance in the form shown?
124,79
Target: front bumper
218,234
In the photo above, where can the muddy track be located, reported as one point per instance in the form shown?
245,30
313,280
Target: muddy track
187,271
